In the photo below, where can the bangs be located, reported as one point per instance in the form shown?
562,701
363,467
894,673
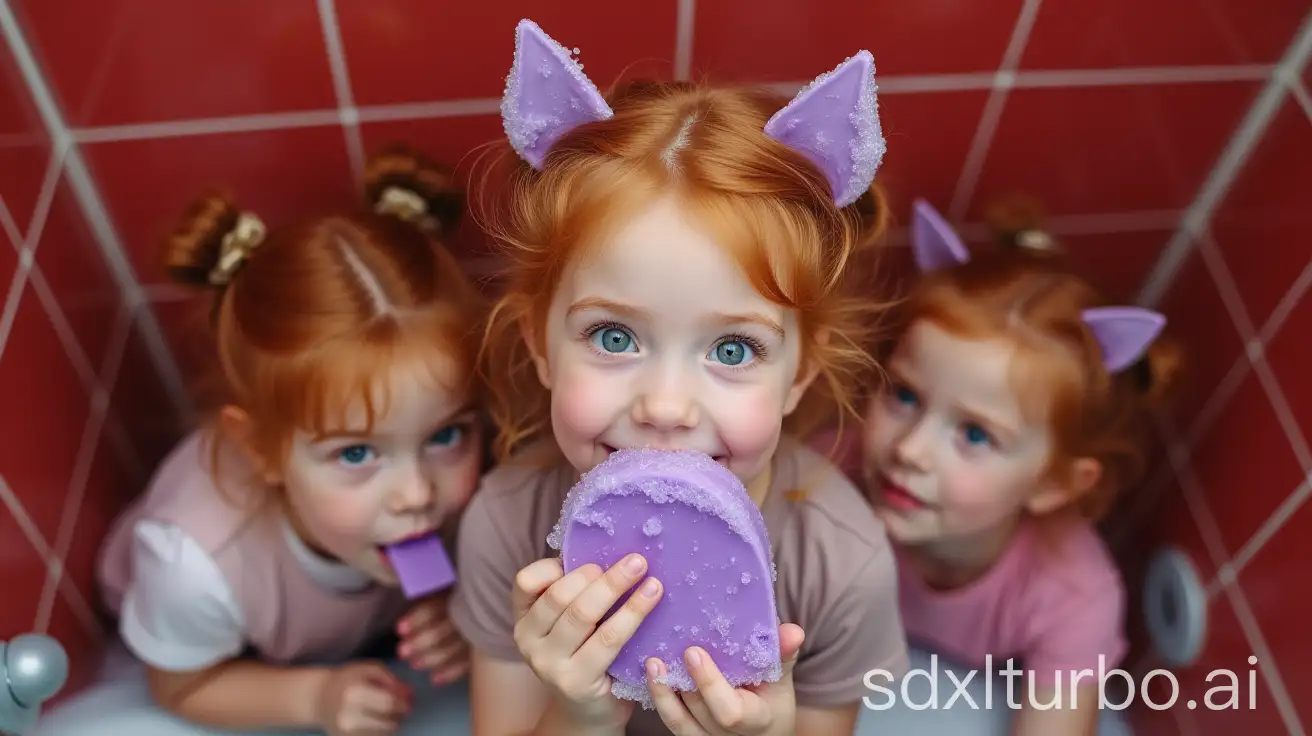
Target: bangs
323,391
1043,375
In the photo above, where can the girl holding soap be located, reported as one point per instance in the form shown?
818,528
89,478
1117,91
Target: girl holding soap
1018,405
678,280
347,345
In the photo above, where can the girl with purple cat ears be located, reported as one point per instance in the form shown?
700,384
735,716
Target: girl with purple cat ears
1017,407
678,279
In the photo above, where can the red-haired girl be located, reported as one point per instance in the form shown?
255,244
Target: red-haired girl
347,346
678,278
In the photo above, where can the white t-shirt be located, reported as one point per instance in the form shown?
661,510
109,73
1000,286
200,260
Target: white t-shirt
179,613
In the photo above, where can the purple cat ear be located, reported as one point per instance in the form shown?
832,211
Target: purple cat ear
834,121
933,241
1125,333
547,95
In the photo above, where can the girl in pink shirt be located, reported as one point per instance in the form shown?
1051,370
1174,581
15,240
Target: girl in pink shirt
1016,407
348,423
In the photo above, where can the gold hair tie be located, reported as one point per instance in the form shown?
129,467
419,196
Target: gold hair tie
1036,240
406,205
237,245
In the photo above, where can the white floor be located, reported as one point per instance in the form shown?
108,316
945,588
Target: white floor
119,704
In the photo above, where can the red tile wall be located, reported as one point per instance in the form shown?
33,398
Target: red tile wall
1115,114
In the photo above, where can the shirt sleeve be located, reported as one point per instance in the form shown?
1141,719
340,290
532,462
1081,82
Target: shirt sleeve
481,606
860,632
179,614
1075,629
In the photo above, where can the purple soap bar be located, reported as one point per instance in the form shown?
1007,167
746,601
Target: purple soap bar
706,542
422,565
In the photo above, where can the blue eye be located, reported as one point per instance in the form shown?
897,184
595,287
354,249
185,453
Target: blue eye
733,352
976,435
905,396
447,436
355,454
613,340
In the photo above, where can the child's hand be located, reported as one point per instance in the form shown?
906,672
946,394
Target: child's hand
556,631
430,642
362,698
717,708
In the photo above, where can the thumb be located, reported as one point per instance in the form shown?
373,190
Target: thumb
791,637
377,674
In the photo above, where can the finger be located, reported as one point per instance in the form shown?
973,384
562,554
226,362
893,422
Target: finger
378,677
791,637
430,637
533,581
546,611
368,724
426,613
728,707
674,714
601,648
449,653
450,673
580,617
380,703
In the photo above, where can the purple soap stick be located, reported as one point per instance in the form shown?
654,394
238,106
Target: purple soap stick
704,539
422,565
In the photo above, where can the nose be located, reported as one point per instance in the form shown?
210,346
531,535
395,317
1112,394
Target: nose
666,403
913,447
414,492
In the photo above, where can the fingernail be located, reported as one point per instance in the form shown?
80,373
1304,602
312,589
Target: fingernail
404,651
653,668
650,587
694,657
633,564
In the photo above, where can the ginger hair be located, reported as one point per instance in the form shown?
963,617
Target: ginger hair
323,308
1032,298
769,205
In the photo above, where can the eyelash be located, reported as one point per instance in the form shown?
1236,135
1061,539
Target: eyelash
758,349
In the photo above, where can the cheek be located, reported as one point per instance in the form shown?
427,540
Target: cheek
881,431
331,503
583,400
749,419
456,481
982,494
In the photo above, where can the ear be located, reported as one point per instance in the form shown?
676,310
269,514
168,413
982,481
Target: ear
236,426
530,337
806,375
1082,477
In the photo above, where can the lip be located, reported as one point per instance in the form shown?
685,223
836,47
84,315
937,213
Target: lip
897,497
409,537
611,449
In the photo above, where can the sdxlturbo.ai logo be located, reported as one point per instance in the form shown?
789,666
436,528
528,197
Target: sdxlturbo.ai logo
1059,691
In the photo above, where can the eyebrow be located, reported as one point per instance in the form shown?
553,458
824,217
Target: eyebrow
631,312
340,434
749,318
594,302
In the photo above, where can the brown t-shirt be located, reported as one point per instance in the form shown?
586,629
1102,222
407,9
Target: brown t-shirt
836,575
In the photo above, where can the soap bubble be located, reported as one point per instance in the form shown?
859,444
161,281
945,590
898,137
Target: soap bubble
746,578
652,526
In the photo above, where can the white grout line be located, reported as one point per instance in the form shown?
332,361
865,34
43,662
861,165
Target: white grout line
1003,81
1036,79
683,25
24,521
1300,93
347,113
206,126
16,287
10,227
44,201
77,488
895,84
1273,524
86,372
1232,159
1266,662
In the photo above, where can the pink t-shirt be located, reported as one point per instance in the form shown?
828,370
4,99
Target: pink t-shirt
1054,601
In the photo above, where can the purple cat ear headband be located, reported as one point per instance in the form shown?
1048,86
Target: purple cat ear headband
1124,333
833,121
